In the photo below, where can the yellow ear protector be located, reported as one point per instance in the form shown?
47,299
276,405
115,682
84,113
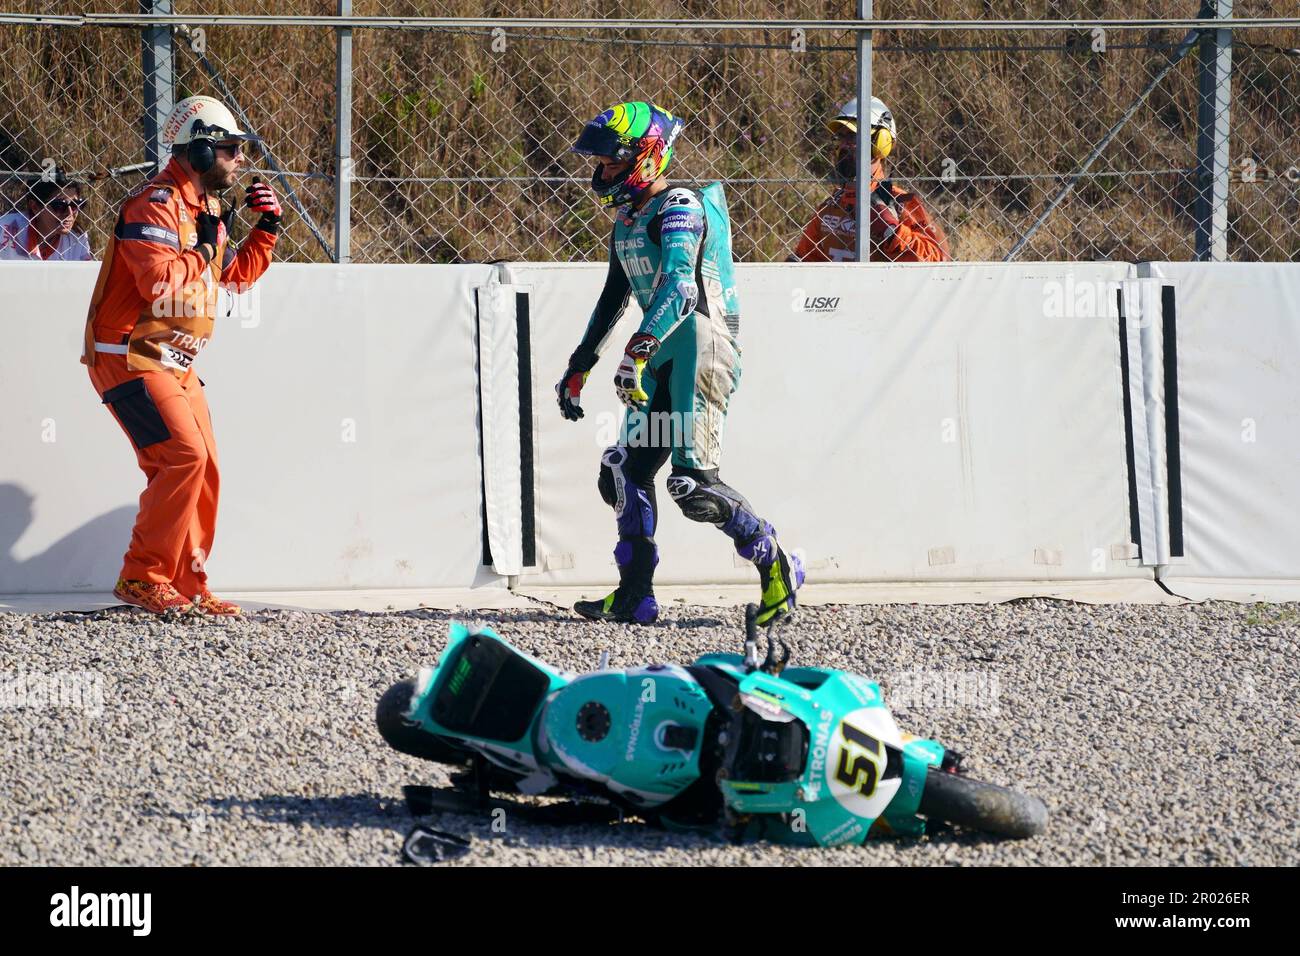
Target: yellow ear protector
200,153
882,142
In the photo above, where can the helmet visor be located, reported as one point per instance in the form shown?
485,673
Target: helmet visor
596,139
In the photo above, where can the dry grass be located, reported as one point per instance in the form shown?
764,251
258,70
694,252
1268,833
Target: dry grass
435,114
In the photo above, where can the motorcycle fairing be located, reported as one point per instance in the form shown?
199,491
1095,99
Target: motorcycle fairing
859,769
486,693
637,732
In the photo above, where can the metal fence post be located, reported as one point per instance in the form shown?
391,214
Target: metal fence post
863,205
159,81
1212,127
343,141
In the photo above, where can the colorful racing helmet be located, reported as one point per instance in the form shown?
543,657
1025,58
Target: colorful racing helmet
639,133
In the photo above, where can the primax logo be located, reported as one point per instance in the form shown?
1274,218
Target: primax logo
103,909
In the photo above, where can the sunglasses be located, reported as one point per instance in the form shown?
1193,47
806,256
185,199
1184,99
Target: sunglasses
230,149
63,205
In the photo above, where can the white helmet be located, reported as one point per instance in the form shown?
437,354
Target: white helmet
883,128
201,117
847,117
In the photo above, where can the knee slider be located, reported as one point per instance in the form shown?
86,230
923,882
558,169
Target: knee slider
613,458
696,500
606,485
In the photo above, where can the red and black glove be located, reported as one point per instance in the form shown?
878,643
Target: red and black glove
262,198
569,390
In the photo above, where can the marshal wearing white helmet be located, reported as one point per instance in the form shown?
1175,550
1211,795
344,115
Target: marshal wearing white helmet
152,313
901,228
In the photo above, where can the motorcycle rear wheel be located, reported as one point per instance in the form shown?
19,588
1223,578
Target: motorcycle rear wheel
407,738
964,802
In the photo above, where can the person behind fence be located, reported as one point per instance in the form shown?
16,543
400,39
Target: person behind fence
45,228
151,314
671,248
901,227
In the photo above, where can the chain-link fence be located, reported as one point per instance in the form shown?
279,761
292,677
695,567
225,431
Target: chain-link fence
1065,143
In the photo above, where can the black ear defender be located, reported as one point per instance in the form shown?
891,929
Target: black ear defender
199,152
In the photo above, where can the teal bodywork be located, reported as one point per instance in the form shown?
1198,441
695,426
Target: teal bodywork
518,753
640,734
635,761
842,793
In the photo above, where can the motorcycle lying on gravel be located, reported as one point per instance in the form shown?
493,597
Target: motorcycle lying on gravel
799,755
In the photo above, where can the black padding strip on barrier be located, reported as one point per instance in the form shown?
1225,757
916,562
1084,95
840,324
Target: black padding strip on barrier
527,497
1173,451
482,477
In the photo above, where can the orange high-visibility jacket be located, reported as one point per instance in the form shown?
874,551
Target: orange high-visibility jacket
155,299
831,234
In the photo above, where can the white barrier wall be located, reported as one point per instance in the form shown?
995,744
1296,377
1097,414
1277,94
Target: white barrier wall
963,422
344,402
956,422
1237,479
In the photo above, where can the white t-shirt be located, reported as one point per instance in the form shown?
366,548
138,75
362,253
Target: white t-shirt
73,247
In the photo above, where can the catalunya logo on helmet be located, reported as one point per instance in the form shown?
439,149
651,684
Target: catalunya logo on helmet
637,139
201,117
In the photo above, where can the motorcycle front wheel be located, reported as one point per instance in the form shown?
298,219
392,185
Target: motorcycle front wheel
964,802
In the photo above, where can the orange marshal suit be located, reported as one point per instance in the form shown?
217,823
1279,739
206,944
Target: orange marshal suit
151,314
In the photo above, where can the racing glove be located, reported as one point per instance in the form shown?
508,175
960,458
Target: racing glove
262,198
627,378
569,389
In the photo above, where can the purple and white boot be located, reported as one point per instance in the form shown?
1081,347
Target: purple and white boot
618,609
633,601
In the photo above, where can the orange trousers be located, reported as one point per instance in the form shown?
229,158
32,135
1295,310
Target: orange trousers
167,422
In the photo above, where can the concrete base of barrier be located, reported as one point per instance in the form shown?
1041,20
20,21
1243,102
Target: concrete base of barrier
722,596
930,592
375,601
1240,591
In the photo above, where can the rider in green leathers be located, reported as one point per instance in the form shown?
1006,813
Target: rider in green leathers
671,248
